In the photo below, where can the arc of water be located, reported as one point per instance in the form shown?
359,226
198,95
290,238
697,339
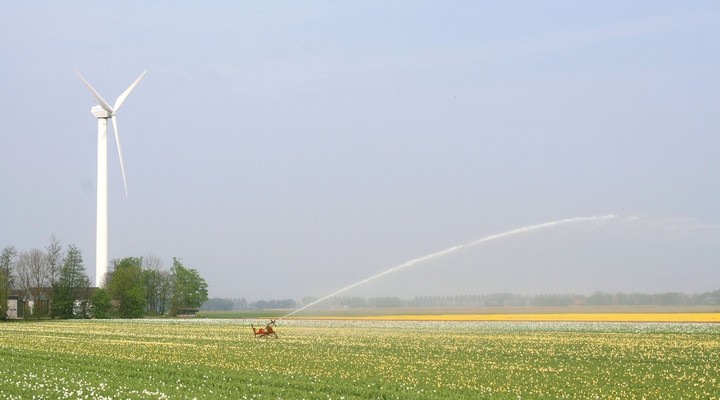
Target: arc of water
451,250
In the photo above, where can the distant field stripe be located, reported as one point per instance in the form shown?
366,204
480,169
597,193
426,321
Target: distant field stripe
590,317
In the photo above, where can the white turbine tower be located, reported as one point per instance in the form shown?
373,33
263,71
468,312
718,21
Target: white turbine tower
102,112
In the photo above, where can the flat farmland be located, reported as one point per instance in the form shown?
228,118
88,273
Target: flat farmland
568,314
358,359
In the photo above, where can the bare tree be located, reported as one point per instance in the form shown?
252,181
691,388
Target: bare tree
31,270
151,261
23,272
54,260
157,284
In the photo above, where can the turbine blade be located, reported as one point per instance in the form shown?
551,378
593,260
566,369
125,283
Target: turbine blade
127,91
104,104
122,164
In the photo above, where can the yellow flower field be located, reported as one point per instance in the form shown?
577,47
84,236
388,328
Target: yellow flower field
555,317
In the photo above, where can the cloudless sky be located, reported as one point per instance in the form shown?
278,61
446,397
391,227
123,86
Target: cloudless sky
287,149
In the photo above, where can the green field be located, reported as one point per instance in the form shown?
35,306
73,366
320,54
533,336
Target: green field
220,359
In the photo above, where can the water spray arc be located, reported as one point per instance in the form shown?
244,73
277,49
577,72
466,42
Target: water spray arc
449,250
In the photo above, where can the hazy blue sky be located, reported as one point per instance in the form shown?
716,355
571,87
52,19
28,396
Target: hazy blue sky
287,149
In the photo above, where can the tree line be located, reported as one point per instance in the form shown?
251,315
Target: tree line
53,283
481,300
561,300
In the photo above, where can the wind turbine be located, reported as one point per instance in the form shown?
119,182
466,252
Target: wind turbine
102,111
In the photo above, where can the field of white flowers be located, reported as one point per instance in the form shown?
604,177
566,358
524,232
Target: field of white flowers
220,359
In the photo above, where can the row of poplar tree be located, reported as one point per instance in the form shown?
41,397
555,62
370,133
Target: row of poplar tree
55,283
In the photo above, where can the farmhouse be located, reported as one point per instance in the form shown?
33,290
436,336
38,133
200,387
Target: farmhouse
26,302
23,303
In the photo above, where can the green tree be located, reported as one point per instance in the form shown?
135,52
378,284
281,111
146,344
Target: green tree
126,289
71,291
101,304
189,290
6,278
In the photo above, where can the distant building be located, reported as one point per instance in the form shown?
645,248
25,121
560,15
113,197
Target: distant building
14,308
24,303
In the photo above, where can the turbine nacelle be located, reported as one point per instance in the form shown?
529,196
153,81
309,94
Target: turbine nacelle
100,112
103,110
